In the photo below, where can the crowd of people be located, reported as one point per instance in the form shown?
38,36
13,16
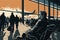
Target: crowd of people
4,21
8,22
36,32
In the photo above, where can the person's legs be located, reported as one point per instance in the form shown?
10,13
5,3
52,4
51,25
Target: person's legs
16,25
12,27
3,27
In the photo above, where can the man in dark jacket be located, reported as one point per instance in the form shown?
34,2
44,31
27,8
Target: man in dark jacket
16,21
12,18
3,20
40,26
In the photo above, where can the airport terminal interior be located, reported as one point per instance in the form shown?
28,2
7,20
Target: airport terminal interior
29,19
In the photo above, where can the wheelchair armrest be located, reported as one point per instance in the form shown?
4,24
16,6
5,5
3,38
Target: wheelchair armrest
51,25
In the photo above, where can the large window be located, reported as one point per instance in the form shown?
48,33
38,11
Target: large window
51,3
